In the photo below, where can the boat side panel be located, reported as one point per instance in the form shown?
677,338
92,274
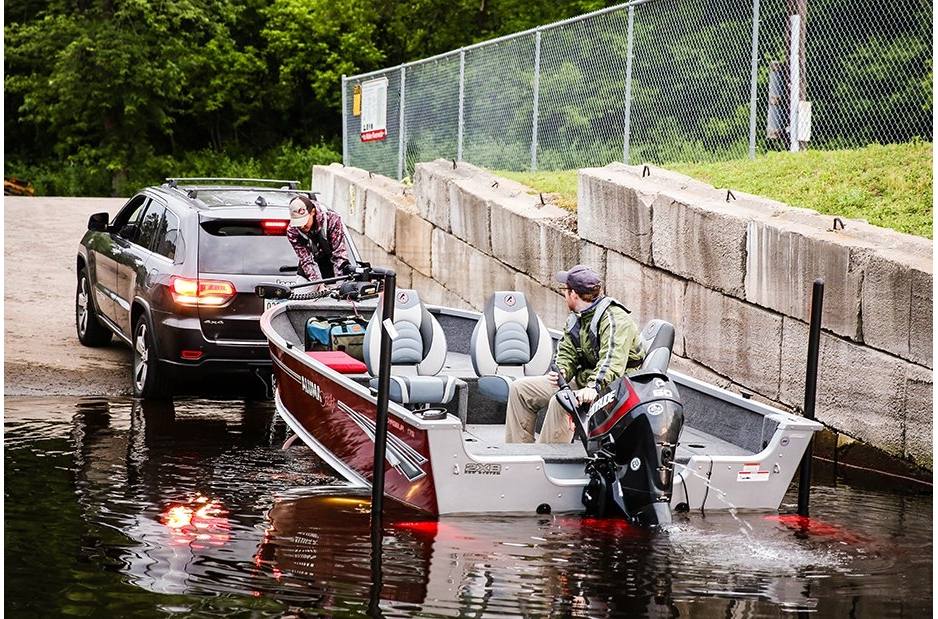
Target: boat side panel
343,422
489,484
759,481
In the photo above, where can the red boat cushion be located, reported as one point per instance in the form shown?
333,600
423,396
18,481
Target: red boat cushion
339,361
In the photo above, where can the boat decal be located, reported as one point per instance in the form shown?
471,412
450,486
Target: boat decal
478,468
295,376
400,455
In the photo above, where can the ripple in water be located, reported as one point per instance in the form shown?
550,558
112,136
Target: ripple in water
117,508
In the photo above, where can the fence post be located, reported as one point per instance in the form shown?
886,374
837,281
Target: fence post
462,94
345,117
627,128
537,87
400,129
794,81
754,77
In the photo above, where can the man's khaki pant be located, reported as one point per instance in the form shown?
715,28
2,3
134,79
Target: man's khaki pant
525,398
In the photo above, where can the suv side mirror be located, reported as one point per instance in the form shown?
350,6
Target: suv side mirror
98,222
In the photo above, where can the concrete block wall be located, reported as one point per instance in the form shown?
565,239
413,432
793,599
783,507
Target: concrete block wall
733,272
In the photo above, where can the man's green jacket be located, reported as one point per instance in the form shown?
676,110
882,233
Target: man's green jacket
620,349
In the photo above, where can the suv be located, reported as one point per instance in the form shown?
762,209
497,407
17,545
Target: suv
173,275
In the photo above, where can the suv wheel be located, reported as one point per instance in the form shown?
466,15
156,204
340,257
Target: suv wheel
90,330
149,379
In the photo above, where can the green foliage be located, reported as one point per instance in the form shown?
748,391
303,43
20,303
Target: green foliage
889,186
77,177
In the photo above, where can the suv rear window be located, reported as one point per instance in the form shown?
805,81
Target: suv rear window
244,247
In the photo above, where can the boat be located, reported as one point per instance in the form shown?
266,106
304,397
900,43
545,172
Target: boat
445,450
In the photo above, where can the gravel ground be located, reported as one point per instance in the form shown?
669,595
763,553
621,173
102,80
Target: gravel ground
42,354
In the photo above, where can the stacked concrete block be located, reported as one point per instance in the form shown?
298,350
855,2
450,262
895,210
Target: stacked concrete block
466,271
704,241
860,391
559,250
323,182
376,255
919,417
432,192
469,215
433,292
783,260
614,211
549,305
593,256
648,292
734,338
413,240
920,327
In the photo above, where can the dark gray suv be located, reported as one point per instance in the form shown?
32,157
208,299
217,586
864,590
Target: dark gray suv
173,275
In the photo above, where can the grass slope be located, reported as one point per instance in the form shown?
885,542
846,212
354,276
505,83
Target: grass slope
889,186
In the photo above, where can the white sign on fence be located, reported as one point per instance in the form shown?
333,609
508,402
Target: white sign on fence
374,110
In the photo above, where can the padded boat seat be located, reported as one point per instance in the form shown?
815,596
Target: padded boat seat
420,389
339,361
509,341
417,353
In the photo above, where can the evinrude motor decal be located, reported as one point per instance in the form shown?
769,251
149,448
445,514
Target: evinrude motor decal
400,455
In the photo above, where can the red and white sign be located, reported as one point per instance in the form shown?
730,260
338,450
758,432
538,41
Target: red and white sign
751,472
374,110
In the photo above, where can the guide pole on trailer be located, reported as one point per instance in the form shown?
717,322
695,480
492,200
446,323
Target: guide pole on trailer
384,385
810,392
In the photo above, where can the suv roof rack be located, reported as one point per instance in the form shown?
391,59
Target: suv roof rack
174,181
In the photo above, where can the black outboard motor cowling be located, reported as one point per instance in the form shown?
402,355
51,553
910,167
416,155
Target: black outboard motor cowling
631,434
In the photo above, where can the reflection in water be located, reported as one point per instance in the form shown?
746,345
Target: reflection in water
193,507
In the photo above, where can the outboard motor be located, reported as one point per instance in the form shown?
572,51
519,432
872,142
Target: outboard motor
630,433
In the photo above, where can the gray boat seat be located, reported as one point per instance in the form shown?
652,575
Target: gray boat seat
657,340
508,342
417,353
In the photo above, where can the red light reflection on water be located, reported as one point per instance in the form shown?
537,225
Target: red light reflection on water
198,522
816,527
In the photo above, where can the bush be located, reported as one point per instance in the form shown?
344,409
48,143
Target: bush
81,176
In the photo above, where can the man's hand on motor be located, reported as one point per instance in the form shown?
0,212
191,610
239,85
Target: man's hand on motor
554,378
586,395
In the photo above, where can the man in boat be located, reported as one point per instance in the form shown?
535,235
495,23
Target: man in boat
600,344
318,238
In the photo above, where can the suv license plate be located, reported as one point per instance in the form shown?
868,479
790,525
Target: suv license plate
269,303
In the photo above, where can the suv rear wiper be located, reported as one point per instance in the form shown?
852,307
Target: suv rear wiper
290,269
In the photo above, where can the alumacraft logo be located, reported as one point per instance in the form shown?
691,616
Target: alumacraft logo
311,388
407,460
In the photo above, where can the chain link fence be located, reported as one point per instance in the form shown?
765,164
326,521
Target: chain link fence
661,81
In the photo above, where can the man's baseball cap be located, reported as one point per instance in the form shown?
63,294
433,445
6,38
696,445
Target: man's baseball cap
299,211
580,279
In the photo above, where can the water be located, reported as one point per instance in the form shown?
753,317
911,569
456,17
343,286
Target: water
113,509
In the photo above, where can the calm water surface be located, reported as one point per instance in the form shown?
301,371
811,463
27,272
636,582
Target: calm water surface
117,509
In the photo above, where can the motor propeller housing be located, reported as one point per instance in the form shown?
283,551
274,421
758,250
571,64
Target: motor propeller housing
631,433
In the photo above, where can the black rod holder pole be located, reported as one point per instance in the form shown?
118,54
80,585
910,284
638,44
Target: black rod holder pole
384,386
810,392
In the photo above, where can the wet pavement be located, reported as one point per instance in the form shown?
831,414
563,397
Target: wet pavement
114,508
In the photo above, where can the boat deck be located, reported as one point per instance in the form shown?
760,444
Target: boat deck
489,440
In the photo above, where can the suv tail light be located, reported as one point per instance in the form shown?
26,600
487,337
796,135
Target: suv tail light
212,292
274,226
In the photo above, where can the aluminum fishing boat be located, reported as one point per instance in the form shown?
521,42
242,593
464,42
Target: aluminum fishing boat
446,452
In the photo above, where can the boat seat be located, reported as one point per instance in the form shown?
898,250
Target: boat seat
508,342
417,354
657,340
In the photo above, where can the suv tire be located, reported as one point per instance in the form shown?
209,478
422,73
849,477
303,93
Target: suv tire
90,330
150,381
